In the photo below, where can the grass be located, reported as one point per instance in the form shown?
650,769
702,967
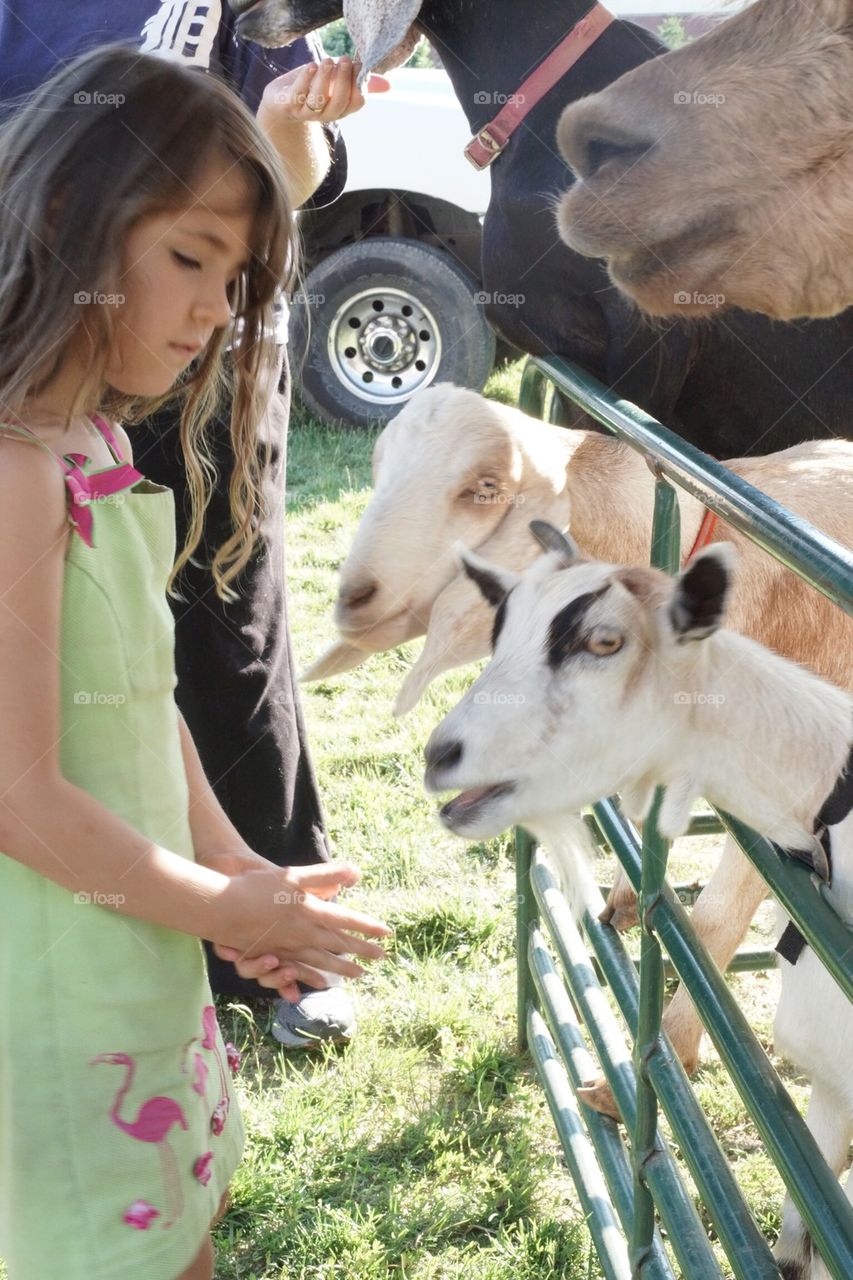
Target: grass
424,1150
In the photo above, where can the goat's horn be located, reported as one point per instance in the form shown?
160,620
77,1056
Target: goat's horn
550,538
339,657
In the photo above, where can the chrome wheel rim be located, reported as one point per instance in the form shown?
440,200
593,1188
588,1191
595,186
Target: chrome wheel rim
384,344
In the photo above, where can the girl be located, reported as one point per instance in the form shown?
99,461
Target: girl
140,212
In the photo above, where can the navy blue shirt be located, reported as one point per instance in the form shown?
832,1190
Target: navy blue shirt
37,36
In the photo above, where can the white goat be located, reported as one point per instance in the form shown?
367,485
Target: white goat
453,465
584,697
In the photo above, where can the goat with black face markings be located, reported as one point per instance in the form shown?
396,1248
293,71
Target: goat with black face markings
607,680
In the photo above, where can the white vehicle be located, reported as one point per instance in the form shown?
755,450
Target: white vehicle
389,302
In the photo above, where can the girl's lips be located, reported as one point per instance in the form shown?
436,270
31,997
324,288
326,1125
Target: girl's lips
186,349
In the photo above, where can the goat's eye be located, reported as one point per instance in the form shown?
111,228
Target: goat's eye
604,641
483,490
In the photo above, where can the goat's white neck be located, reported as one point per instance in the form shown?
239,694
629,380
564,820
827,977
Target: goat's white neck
754,734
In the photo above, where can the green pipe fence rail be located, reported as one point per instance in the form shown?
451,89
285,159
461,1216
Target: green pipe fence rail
635,1199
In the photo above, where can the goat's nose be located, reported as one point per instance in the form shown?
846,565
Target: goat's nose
589,139
355,596
442,755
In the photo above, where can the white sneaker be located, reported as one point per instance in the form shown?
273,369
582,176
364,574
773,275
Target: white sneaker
317,1018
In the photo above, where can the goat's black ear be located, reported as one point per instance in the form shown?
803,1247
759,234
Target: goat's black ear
550,538
494,582
701,593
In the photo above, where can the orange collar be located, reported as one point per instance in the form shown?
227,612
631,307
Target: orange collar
706,533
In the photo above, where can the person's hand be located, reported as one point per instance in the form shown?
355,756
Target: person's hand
278,929
266,969
318,91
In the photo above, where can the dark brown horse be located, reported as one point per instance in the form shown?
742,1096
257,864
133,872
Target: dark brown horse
732,385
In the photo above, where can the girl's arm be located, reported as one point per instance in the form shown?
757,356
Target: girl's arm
218,844
216,841
62,832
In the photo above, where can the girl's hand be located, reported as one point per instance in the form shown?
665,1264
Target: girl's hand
268,971
274,913
323,92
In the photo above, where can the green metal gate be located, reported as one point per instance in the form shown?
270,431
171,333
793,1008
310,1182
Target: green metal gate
627,1194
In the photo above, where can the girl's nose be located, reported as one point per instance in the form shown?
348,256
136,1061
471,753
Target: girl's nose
213,307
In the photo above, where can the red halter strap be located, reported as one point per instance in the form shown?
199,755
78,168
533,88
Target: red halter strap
706,533
487,145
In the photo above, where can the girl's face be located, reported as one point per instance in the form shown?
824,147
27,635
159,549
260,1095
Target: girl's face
178,270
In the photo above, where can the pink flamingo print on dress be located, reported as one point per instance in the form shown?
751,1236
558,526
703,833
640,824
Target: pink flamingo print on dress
211,1029
154,1120
200,1071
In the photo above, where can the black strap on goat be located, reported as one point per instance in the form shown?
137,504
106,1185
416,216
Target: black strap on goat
834,809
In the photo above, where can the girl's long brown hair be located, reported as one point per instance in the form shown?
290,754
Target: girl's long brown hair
113,137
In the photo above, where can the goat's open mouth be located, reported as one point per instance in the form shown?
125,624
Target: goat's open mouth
468,804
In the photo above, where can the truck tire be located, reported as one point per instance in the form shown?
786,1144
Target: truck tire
377,320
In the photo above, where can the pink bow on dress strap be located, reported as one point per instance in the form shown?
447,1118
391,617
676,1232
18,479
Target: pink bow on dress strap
84,490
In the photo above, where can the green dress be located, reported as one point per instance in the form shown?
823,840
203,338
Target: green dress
119,1127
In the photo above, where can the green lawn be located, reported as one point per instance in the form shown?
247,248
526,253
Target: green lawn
424,1150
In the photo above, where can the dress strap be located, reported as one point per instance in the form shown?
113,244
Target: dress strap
109,436
6,426
81,490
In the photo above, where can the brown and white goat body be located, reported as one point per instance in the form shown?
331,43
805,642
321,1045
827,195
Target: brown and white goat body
584,697
455,466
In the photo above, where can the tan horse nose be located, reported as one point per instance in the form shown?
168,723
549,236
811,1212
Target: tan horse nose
589,138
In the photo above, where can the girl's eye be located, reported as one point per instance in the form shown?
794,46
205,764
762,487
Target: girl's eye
184,261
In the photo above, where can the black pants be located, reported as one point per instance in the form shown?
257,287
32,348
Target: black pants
236,685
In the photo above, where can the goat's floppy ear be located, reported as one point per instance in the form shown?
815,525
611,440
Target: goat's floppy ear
550,538
339,657
494,582
701,593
